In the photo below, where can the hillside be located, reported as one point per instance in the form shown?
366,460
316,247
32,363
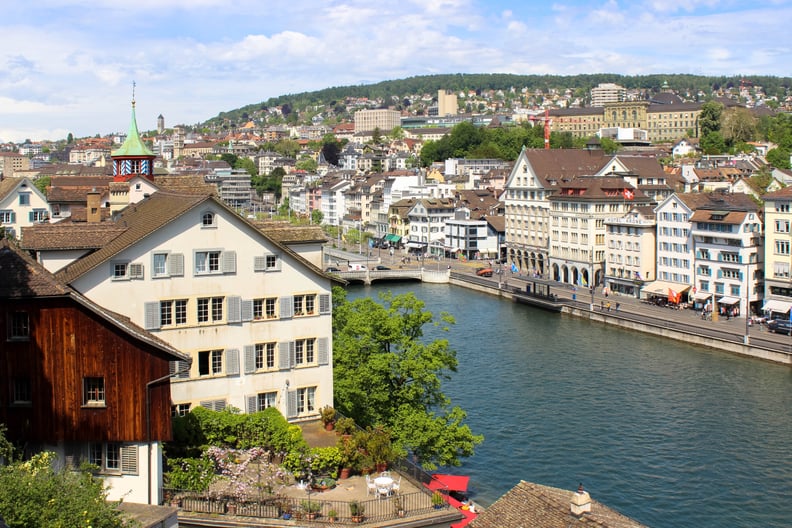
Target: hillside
401,93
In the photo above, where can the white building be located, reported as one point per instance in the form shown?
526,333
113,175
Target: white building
254,316
630,253
21,205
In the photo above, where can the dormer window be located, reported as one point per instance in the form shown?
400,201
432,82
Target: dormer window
208,219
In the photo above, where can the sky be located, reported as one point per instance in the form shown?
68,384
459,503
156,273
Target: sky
69,65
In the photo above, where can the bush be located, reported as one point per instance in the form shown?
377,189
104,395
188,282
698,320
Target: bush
191,474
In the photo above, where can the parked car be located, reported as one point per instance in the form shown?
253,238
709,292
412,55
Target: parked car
382,268
332,269
780,326
484,272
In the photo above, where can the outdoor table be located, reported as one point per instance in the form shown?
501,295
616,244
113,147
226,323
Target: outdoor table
384,484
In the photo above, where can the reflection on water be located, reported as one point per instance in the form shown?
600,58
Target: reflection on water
668,434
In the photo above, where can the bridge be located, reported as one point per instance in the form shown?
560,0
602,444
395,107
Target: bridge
418,274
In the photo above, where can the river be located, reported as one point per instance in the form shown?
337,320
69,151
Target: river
668,434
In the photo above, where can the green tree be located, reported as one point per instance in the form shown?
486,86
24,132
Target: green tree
248,165
41,183
70,138
34,494
287,147
779,158
738,126
231,159
609,146
306,163
386,374
713,143
317,216
710,118
376,136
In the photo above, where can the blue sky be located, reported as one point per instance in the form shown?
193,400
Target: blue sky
68,65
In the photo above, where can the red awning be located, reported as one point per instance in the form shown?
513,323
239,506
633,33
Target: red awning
449,482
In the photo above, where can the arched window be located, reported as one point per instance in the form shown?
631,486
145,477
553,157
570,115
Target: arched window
208,219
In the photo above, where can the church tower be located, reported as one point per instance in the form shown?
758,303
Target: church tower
133,158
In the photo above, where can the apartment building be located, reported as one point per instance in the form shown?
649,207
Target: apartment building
427,218
383,119
631,248
605,93
13,162
777,252
577,215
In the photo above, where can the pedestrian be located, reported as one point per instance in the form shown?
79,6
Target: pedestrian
602,306
617,306
607,306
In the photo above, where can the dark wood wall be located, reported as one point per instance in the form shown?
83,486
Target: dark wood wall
68,342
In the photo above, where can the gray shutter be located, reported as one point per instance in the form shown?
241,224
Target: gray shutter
219,405
13,217
293,354
247,310
30,215
129,460
232,362
250,402
234,305
325,306
259,263
229,261
284,358
250,359
151,315
323,355
278,260
183,369
136,271
207,405
286,307
176,264
291,404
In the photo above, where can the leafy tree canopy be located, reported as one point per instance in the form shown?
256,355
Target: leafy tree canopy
386,374
713,143
779,157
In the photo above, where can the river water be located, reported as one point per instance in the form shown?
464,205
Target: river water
668,434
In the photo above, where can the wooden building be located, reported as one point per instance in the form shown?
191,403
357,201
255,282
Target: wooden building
82,381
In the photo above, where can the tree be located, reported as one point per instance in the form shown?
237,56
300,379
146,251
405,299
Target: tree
41,183
33,493
738,126
70,138
709,118
386,374
248,165
306,163
609,146
779,158
376,136
713,143
317,216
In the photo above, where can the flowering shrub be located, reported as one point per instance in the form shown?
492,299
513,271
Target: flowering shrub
247,473
193,474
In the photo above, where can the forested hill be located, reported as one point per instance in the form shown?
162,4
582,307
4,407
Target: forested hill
692,87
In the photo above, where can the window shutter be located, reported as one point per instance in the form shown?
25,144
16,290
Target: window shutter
277,266
292,354
151,315
250,358
173,367
250,404
325,305
207,405
136,271
232,362
13,217
323,355
229,261
129,460
259,263
30,216
284,359
219,405
183,369
234,309
247,310
176,264
286,307
291,404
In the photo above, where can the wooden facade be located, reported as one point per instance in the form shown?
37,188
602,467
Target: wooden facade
56,345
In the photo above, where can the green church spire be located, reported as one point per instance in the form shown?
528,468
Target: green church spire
133,145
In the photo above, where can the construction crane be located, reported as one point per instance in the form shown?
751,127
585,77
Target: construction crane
546,120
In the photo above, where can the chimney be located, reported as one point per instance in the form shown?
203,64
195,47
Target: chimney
93,213
581,502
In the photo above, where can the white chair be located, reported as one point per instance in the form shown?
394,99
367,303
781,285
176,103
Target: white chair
370,486
383,493
396,484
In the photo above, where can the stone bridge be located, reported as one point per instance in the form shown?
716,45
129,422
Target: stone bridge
369,276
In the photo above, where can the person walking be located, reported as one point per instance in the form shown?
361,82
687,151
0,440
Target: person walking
607,306
617,306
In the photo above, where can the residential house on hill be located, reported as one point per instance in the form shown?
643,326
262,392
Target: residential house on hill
254,315
82,381
21,205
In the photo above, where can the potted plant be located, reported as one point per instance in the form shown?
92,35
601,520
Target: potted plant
332,515
328,417
350,455
438,500
311,509
356,510
398,505
379,447
345,425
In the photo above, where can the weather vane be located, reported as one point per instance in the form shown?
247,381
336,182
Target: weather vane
133,93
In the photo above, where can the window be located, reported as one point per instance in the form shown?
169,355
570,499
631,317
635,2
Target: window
22,394
266,263
7,217
210,362
18,326
265,356
180,409
304,351
304,304
306,400
38,215
114,458
264,308
207,262
210,309
265,400
120,271
781,269
782,226
781,247
208,220
24,198
173,312
160,264
93,392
